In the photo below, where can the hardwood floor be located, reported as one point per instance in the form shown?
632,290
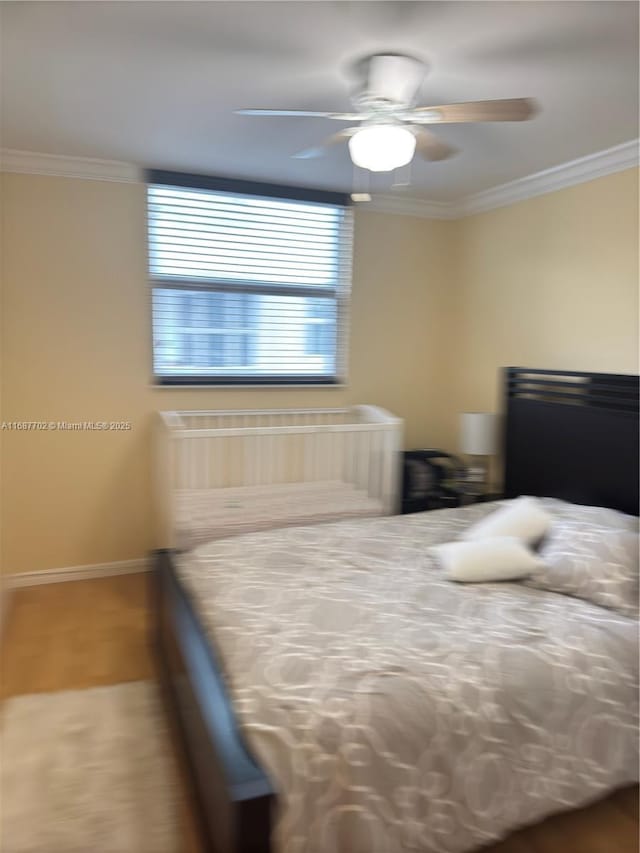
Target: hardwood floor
66,636
87,633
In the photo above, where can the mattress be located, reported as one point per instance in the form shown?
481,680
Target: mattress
204,515
397,711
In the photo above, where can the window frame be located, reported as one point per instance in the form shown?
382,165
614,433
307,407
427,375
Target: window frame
340,292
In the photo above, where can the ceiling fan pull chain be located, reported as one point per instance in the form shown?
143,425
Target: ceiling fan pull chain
400,179
361,181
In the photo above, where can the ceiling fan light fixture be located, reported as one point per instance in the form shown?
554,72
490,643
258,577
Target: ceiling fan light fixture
382,147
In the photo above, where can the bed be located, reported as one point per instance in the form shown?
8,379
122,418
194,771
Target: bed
319,715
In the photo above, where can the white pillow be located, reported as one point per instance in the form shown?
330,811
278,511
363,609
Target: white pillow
523,518
499,559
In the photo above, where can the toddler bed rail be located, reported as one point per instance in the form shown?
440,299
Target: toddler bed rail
225,472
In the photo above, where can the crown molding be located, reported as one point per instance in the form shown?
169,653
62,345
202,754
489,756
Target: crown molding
578,171
57,165
616,159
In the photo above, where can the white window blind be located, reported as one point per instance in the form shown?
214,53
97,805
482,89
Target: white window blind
247,288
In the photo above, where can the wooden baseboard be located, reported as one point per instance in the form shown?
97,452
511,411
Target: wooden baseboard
5,602
74,573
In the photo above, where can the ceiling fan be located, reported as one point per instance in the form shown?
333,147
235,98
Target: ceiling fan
390,127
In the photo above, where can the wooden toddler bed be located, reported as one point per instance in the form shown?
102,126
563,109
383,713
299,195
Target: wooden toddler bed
221,473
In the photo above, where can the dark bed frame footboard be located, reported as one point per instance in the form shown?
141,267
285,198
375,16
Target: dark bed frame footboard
233,796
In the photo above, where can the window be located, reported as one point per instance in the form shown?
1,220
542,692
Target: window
249,285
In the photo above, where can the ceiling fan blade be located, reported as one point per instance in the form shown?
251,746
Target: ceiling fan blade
319,150
301,114
429,147
507,109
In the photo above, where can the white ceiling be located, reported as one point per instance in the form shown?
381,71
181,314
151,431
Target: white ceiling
156,83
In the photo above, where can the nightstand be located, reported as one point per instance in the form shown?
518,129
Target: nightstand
429,480
484,497
441,500
432,479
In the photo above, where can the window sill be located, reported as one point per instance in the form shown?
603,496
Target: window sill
156,386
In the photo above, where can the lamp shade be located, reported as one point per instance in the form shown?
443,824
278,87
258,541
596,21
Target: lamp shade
382,148
479,433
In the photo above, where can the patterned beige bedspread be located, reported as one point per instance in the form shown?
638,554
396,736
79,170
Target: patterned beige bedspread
397,711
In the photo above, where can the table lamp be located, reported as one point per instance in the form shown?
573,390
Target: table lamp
479,440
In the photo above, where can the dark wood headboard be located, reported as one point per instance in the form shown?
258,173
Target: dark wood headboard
572,436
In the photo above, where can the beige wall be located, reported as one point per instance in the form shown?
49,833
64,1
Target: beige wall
551,282
438,307
76,347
